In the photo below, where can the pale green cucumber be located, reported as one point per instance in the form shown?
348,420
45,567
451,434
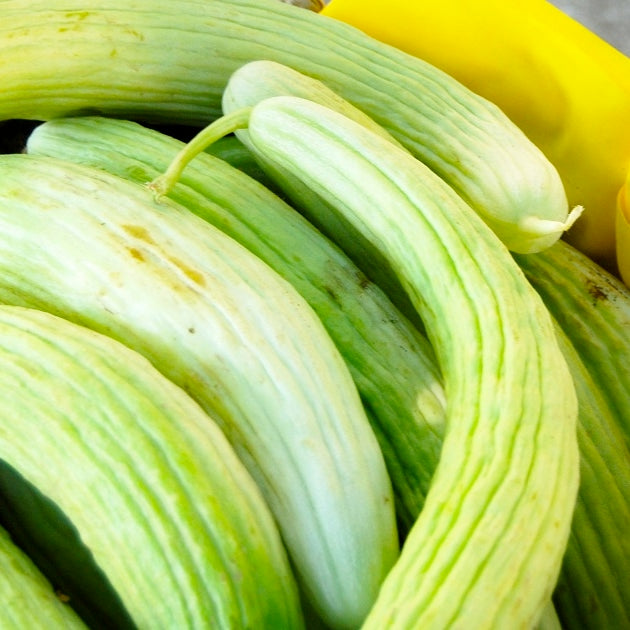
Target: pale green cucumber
151,484
392,364
261,79
133,151
593,558
170,63
224,326
28,599
488,545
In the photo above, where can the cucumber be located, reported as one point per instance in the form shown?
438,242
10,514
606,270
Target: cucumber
257,80
171,64
595,553
590,561
592,590
154,489
593,307
225,327
395,370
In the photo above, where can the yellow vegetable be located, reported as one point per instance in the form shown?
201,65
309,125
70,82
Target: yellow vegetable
563,85
623,231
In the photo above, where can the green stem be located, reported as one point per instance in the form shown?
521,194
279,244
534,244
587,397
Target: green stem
223,126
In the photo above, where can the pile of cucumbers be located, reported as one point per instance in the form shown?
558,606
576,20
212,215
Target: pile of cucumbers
325,363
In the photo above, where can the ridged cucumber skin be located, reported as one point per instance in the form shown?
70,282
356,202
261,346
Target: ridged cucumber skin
593,589
28,599
257,80
136,60
150,482
254,81
221,324
487,547
133,151
395,370
44,533
593,308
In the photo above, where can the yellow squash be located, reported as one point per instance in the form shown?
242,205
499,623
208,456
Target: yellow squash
563,85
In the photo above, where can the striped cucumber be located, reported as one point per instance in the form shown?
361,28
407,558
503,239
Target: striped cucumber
149,481
395,370
593,591
136,60
487,547
593,556
220,323
262,79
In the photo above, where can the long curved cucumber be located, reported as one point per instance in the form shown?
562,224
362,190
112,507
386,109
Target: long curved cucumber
257,80
488,545
595,558
171,62
395,370
229,330
158,495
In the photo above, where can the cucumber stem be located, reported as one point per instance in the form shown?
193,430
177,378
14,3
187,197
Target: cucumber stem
542,227
222,126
